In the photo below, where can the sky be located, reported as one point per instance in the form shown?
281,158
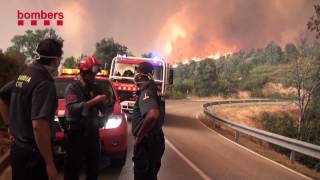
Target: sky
174,29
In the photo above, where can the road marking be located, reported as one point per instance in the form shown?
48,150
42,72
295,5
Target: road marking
189,162
257,154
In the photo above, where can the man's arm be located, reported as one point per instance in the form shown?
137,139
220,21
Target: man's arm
41,130
149,109
4,110
44,101
148,123
96,100
5,96
75,106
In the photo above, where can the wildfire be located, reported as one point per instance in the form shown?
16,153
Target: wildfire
175,32
182,43
218,54
215,56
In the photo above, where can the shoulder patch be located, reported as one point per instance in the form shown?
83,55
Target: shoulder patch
71,97
146,96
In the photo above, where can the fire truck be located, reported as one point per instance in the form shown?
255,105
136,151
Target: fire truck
122,74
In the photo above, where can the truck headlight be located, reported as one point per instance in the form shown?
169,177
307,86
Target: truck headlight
114,121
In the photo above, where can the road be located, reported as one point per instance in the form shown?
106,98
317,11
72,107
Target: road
215,156
195,152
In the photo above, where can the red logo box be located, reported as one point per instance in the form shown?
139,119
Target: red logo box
20,22
59,22
33,22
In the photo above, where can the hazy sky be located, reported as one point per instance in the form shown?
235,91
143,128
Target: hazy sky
174,29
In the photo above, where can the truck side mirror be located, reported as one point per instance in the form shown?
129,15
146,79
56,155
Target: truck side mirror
170,81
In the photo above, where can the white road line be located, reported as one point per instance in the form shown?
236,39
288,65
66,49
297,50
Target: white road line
257,154
189,162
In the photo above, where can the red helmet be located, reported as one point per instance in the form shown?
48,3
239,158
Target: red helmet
89,63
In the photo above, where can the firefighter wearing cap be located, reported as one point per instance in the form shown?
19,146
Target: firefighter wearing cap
147,121
85,106
28,104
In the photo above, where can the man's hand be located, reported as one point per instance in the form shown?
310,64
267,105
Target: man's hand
52,171
11,139
96,100
100,98
139,138
4,112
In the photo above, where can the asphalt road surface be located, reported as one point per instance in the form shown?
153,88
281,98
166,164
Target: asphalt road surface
195,152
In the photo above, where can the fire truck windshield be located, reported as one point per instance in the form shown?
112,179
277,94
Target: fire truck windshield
127,71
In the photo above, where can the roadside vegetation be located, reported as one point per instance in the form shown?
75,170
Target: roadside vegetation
279,118
289,72
245,71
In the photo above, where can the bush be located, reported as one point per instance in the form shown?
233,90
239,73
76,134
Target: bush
183,86
224,87
256,92
282,125
256,82
9,69
172,94
276,95
310,130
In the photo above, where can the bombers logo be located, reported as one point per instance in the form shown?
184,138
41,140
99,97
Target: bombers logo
40,18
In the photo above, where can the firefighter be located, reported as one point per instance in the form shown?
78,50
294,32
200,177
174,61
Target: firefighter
29,103
85,107
147,121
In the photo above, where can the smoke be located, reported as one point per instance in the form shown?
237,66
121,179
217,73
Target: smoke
213,27
187,28
178,29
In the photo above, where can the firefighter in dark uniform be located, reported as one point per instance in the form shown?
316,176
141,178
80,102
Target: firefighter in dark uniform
147,121
85,108
29,103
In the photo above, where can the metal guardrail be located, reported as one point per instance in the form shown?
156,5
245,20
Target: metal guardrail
289,143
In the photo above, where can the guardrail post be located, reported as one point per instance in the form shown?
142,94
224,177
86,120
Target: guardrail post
292,157
236,135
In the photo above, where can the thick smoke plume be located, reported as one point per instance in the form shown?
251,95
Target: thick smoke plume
178,29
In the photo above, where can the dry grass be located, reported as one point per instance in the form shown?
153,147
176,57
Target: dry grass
243,94
209,98
271,88
249,115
